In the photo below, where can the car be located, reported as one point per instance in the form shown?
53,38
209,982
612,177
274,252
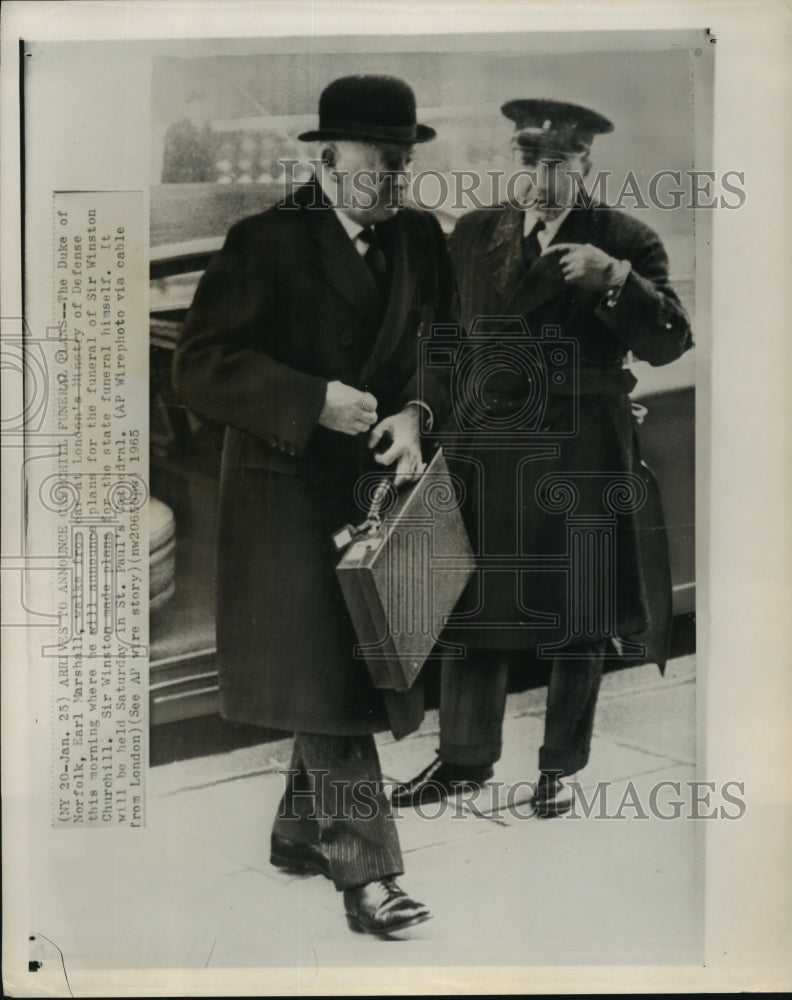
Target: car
185,464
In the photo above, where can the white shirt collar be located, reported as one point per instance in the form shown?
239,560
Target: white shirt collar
530,218
352,229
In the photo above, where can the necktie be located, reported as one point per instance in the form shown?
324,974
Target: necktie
531,248
375,258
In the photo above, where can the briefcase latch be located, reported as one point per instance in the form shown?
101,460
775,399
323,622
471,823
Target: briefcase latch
350,533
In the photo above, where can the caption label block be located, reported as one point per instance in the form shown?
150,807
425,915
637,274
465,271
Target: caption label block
94,494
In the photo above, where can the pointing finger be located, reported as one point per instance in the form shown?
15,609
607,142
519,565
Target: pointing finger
389,456
376,435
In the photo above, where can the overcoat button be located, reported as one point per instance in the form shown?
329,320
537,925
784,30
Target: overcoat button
347,337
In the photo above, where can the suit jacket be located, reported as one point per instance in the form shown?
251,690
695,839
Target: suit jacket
287,306
510,512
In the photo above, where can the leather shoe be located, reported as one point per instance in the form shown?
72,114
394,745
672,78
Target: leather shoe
552,797
297,859
381,908
437,781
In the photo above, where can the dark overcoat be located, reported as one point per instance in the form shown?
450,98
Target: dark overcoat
562,512
287,306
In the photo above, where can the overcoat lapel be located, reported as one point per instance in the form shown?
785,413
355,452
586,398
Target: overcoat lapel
523,290
504,253
336,257
403,286
341,265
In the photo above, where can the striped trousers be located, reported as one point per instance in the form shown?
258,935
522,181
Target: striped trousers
473,700
334,800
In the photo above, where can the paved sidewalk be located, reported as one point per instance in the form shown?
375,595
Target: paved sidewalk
196,889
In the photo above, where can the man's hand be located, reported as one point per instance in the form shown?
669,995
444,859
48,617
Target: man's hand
584,265
347,410
403,429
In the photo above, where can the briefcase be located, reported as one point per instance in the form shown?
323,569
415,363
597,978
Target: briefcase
403,570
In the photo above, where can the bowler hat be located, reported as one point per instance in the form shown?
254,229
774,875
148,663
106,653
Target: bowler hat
555,125
369,109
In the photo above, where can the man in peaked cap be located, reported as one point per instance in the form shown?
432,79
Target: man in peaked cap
561,499
302,339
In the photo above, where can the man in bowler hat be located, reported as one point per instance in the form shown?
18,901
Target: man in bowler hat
303,339
562,498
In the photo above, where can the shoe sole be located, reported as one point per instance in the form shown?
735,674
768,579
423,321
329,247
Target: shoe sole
355,925
419,800
295,866
439,794
551,811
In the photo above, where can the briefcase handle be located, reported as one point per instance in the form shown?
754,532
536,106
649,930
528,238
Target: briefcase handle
379,495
